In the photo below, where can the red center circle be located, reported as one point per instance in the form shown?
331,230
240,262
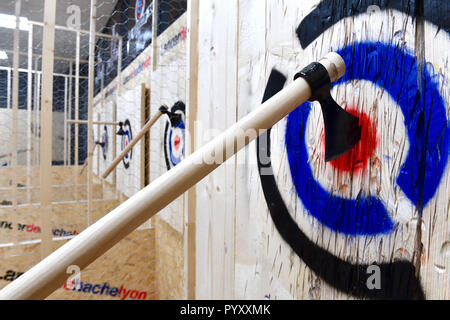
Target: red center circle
177,142
357,158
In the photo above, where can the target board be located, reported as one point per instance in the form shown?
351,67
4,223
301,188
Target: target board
407,151
174,137
127,137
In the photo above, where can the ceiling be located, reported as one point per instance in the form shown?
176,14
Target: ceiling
65,42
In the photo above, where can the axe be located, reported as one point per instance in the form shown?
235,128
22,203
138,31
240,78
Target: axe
342,129
313,82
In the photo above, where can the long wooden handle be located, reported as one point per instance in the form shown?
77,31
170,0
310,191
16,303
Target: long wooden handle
50,274
123,154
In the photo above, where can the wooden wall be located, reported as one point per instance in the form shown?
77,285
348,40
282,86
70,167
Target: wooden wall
328,223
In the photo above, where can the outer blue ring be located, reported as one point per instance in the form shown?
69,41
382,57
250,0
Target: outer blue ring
395,71
173,159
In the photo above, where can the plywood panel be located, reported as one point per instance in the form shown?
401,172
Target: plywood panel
169,261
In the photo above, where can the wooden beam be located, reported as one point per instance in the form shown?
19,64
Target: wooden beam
142,146
15,102
48,49
69,116
15,109
29,104
100,123
114,142
91,103
192,103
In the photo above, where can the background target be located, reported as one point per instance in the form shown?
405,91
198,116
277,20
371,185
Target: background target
126,139
174,138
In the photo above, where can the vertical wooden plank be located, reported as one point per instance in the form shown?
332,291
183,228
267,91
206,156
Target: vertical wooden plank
47,125
8,90
15,102
147,139
15,112
114,140
29,105
65,118
191,114
77,112
69,116
435,228
217,97
77,101
91,79
142,142
36,113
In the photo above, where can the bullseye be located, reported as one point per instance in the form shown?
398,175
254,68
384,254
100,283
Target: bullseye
177,142
357,158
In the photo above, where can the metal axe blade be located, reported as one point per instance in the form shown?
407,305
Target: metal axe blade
342,129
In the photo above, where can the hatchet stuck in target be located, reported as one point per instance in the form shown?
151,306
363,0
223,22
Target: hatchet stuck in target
342,129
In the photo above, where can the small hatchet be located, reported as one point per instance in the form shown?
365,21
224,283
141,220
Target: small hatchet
342,129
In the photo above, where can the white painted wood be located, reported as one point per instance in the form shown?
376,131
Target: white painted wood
435,262
191,116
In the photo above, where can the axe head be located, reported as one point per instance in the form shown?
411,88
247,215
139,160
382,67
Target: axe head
342,129
121,132
174,118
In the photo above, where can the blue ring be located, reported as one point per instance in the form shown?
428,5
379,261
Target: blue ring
396,71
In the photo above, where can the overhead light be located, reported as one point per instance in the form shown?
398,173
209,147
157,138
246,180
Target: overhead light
9,21
3,55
